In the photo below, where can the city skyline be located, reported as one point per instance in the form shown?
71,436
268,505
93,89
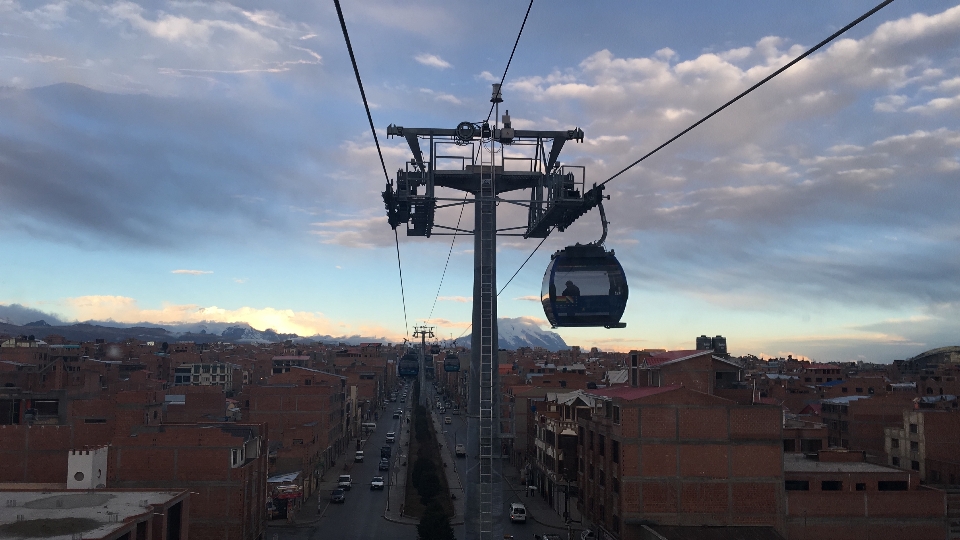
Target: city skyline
176,163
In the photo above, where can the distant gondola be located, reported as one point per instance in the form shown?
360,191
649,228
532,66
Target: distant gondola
409,365
451,362
584,285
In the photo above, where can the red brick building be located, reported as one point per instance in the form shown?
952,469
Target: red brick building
224,466
838,496
675,456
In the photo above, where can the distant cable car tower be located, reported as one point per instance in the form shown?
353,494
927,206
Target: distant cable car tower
557,197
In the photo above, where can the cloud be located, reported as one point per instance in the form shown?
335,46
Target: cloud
441,96
461,299
192,272
19,314
530,298
365,233
432,60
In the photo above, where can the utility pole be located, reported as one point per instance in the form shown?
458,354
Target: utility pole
558,196
423,332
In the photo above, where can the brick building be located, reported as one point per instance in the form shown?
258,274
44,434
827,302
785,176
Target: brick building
839,496
857,422
679,457
224,466
928,442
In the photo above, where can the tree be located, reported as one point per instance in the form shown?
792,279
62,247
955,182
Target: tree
435,524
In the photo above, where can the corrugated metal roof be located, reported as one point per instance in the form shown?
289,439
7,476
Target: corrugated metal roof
630,393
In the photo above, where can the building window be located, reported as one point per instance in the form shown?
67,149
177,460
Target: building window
615,451
616,523
616,415
796,485
894,443
861,486
915,465
895,461
601,477
590,442
806,379
615,485
819,379
580,438
843,389
590,472
914,446
892,485
608,409
913,428
601,444
831,485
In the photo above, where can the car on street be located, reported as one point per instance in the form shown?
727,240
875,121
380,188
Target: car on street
345,481
358,457
337,496
518,513
447,420
391,437
461,451
384,464
376,483
587,534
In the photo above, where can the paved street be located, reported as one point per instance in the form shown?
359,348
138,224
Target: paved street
364,515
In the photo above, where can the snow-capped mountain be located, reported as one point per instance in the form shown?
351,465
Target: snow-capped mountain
522,332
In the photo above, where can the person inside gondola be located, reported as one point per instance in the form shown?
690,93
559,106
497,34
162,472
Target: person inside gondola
571,290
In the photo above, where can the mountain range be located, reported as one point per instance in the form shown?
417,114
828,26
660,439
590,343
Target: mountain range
16,320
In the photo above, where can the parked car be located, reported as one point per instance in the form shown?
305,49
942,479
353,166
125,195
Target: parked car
461,451
376,483
447,420
345,481
358,457
391,437
518,513
338,496
384,464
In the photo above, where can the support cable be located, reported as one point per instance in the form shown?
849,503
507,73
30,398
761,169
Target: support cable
366,106
810,51
511,55
511,279
450,252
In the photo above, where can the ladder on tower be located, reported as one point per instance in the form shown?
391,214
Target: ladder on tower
488,348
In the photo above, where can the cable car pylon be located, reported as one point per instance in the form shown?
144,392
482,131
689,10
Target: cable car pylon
558,196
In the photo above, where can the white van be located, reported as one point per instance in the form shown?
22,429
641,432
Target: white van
518,513
358,457
369,426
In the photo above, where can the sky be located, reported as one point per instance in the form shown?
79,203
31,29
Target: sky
171,162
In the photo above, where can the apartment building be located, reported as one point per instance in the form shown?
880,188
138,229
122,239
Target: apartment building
928,442
679,457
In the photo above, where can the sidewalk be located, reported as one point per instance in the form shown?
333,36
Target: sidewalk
398,478
537,508
450,468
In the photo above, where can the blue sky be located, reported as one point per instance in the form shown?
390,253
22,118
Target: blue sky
189,161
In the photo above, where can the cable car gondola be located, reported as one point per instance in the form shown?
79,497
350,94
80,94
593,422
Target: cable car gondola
584,285
451,362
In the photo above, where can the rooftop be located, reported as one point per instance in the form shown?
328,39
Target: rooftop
630,393
793,462
63,515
